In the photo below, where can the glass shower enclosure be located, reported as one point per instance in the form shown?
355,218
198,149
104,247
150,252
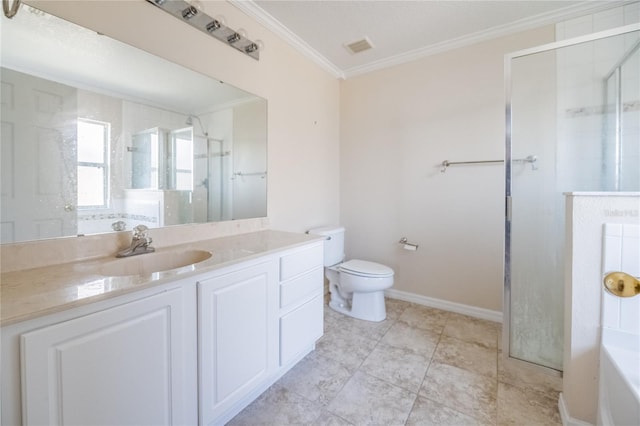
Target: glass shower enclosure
574,106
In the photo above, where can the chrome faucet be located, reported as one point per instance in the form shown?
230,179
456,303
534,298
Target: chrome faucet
140,243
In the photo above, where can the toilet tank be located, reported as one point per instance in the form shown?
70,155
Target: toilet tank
333,245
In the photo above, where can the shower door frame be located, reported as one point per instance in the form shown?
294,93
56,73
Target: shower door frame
506,320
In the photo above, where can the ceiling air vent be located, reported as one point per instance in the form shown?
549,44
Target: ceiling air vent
359,46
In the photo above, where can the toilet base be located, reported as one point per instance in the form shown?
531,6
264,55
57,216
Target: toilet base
364,306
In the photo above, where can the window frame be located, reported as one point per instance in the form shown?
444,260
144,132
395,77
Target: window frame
106,126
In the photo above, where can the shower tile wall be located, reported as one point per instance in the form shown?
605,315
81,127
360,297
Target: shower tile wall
621,252
583,120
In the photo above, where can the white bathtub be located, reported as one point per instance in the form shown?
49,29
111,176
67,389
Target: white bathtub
619,384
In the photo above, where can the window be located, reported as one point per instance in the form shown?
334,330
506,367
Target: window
93,163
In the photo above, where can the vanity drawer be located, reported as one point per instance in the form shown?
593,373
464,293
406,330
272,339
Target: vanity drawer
296,289
299,329
301,261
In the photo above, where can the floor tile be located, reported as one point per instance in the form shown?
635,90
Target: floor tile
278,406
472,330
365,373
467,355
348,349
424,318
518,407
422,342
395,308
366,400
370,329
427,412
529,379
470,393
316,378
330,419
398,366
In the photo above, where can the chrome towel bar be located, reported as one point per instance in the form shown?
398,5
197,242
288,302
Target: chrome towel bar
529,159
241,174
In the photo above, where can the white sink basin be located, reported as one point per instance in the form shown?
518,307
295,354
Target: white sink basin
145,264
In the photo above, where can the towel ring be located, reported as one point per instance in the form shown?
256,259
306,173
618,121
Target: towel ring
10,10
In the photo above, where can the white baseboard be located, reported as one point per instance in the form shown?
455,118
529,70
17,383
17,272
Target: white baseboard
567,420
459,308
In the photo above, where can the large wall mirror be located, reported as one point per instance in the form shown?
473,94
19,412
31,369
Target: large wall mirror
98,136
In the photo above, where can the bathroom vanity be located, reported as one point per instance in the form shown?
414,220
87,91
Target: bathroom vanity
192,345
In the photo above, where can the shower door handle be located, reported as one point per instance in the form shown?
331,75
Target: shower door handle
621,284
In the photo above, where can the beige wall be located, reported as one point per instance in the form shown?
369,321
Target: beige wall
364,152
397,126
303,100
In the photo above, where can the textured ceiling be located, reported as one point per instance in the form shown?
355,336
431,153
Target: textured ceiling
401,30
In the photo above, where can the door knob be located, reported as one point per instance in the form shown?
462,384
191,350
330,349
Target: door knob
621,284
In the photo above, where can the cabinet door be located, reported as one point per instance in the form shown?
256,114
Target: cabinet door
300,329
238,319
129,364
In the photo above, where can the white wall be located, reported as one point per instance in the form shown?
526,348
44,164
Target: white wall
397,126
586,213
581,73
303,100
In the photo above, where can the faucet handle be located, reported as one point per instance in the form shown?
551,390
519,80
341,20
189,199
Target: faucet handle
140,231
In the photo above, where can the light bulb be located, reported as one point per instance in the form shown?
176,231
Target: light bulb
221,19
197,4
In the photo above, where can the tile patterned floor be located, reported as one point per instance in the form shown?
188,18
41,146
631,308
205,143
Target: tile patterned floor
421,366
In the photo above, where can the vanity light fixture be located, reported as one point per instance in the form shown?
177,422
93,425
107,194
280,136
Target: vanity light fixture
233,38
191,13
251,48
213,25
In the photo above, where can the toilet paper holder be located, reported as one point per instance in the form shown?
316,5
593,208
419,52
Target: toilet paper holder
407,245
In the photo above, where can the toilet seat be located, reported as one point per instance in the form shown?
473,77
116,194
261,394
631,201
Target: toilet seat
363,268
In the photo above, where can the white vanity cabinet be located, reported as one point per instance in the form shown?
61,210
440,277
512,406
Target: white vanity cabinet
196,350
130,361
301,301
256,320
238,334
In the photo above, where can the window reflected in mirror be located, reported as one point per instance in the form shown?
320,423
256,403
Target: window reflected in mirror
93,163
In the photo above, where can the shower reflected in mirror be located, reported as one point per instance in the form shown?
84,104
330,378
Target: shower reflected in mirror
98,136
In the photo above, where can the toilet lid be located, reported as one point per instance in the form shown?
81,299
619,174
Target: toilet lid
365,268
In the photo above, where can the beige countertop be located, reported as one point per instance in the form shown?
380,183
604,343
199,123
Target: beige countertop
31,293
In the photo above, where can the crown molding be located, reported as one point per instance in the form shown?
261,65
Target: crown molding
271,23
537,21
569,12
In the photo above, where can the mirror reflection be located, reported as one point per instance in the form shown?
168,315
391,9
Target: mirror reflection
98,136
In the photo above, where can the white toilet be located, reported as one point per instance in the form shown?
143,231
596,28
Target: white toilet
357,286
